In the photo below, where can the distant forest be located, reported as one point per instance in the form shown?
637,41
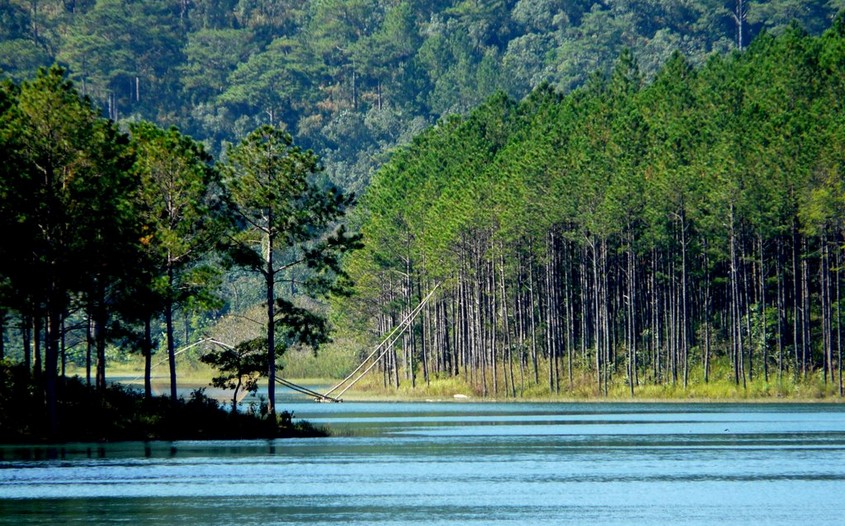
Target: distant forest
630,233
351,79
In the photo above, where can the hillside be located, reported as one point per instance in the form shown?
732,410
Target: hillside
354,78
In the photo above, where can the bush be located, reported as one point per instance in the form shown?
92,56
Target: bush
119,413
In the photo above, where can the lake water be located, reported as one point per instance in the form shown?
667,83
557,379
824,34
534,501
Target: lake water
455,463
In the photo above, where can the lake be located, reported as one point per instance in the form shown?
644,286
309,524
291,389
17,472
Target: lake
457,463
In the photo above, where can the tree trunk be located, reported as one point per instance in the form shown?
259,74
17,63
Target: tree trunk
672,310
426,326
826,308
51,357
100,321
270,284
684,299
63,347
508,342
605,315
148,357
89,345
655,317
597,315
736,324
781,305
568,284
37,333
797,335
550,347
26,335
806,359
707,313
739,15
839,317
532,310
632,312
171,344
744,308
764,355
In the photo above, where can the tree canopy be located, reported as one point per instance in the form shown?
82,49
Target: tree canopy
353,79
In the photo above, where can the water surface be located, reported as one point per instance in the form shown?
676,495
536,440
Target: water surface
458,463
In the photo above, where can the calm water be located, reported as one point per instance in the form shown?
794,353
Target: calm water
459,463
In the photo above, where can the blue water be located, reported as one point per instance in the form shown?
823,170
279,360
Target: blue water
458,463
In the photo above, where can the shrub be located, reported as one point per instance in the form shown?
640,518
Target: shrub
119,413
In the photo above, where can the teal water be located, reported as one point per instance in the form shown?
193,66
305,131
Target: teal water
458,463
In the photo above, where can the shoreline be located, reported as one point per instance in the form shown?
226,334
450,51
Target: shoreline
579,400
443,391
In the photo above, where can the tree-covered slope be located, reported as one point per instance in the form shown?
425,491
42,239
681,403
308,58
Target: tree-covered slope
353,78
633,232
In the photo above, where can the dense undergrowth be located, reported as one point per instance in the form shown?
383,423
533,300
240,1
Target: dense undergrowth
120,413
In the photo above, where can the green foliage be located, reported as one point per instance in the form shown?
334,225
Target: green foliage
126,54
211,55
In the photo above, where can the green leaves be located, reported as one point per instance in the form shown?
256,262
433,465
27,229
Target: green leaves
67,188
126,54
240,367
274,81
275,191
176,194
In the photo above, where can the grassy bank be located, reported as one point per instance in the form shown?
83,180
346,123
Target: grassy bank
719,387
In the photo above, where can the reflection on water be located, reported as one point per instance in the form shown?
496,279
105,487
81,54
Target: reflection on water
458,463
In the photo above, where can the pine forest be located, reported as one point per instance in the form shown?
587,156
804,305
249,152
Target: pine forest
636,233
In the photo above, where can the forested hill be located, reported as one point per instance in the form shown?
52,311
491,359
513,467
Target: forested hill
625,235
353,78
